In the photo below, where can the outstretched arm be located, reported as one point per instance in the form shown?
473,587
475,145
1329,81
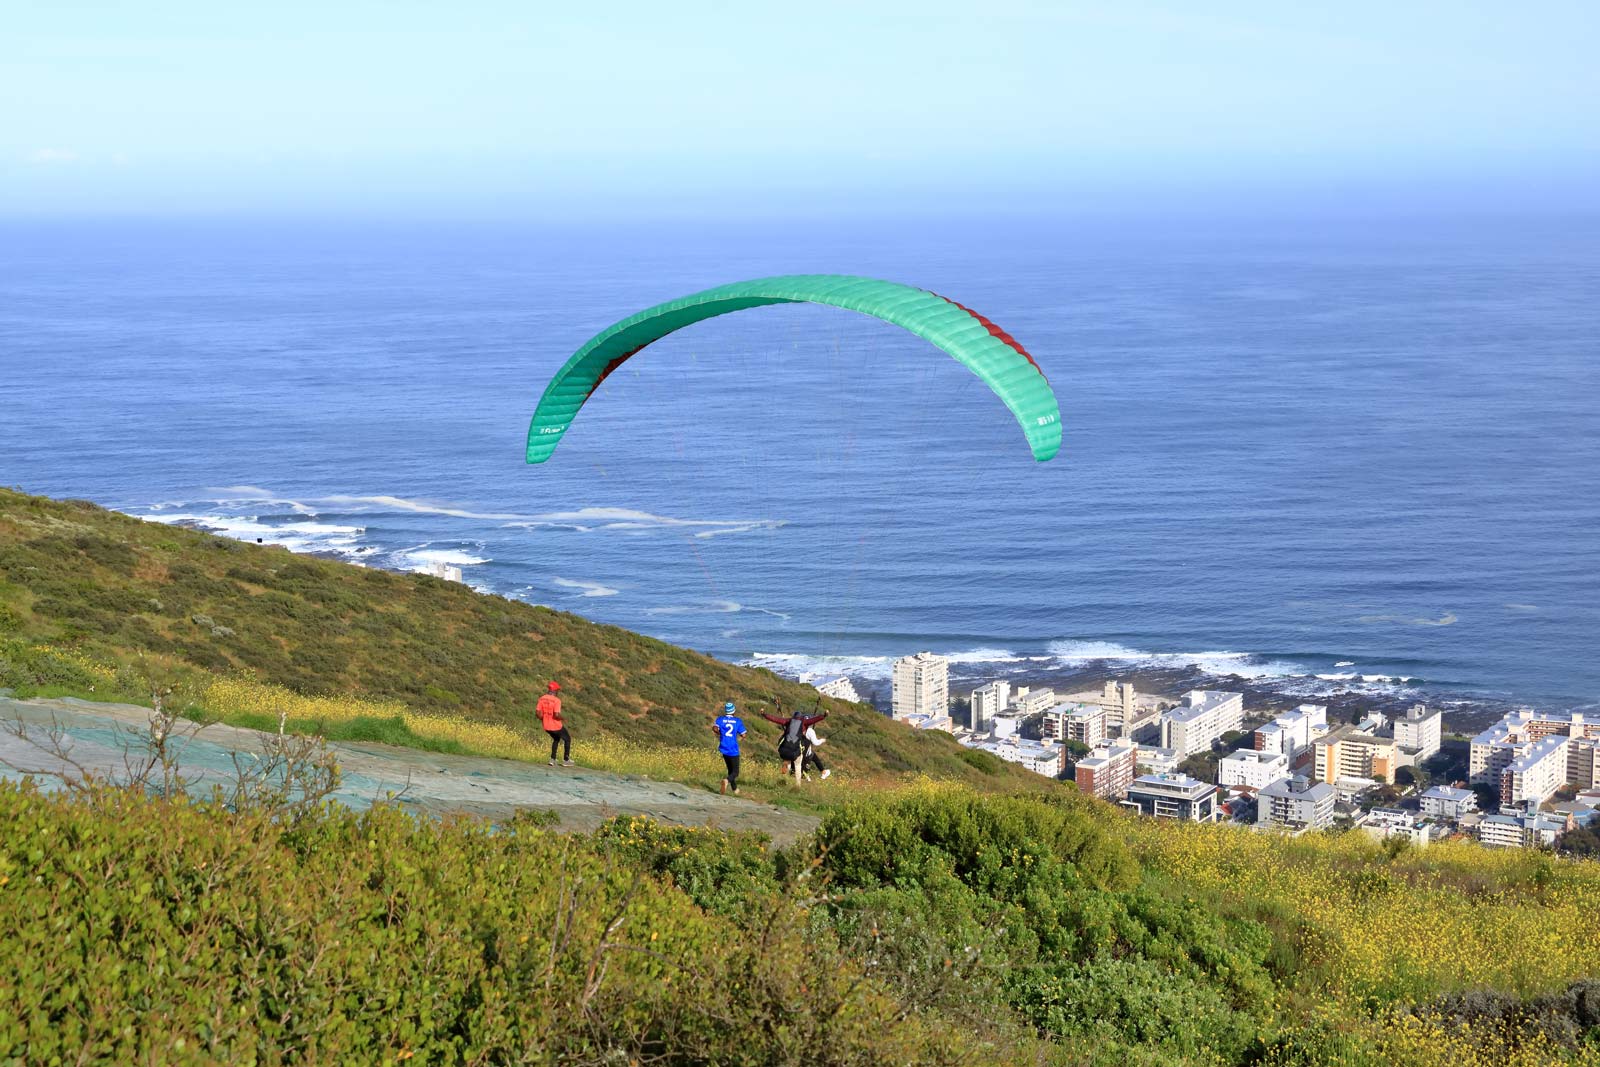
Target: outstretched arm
814,719
776,720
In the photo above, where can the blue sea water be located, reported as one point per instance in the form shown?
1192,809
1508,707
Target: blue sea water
1324,457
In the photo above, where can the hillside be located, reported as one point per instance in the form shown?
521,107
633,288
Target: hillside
85,591
993,917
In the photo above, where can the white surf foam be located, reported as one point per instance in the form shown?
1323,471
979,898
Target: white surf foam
296,536
985,655
714,607
589,589
418,558
1221,662
630,521
1447,619
795,664
582,520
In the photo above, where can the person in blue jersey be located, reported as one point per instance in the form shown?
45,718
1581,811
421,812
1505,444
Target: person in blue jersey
729,729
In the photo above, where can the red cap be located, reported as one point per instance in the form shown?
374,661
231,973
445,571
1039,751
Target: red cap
554,687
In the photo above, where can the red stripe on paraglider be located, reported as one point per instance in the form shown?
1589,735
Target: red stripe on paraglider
613,365
996,332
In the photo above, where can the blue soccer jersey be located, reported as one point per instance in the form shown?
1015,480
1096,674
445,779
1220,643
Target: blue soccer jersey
729,730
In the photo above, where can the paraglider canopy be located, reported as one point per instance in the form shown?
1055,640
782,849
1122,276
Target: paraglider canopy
987,350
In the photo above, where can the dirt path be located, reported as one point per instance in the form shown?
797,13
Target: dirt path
101,734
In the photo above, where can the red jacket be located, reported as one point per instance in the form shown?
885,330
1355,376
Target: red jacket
549,709
806,721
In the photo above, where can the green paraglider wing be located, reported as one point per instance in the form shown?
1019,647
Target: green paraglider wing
988,351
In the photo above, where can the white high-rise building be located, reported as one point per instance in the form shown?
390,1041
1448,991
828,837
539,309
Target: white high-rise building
1537,772
921,687
1251,769
1292,732
1418,732
1121,704
1501,744
1032,701
1203,717
1072,721
987,702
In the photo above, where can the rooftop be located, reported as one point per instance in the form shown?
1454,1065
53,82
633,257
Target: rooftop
1536,751
1173,783
1350,733
1017,748
1250,755
1448,792
1201,702
1105,751
1075,710
1505,731
1297,788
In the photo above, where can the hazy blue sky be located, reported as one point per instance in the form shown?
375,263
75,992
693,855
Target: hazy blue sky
534,109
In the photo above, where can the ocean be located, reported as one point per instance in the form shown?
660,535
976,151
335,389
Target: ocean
1325,458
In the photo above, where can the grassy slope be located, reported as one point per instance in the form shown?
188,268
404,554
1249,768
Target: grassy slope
111,588
1349,936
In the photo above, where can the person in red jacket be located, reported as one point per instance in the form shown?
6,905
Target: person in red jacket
792,745
549,709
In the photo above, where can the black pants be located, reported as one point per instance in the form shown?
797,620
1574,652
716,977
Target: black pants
811,760
560,737
733,771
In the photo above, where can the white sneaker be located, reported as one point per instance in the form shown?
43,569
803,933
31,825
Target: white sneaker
826,773
552,763
567,763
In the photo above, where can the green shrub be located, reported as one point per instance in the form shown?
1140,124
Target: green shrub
137,930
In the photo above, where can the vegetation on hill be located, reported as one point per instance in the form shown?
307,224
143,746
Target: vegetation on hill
91,600
927,925
992,917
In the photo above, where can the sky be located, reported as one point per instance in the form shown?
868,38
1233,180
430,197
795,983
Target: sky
482,108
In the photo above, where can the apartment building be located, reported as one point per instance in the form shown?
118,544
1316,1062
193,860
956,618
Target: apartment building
1448,802
1071,721
921,687
1108,770
1397,822
1346,753
1204,716
1157,760
1583,762
1521,831
1495,749
1120,704
1292,732
1173,796
1039,757
1251,769
1295,804
1032,701
1418,732
987,701
1539,769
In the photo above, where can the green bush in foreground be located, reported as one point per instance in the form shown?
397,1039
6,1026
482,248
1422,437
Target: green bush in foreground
133,929
928,926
